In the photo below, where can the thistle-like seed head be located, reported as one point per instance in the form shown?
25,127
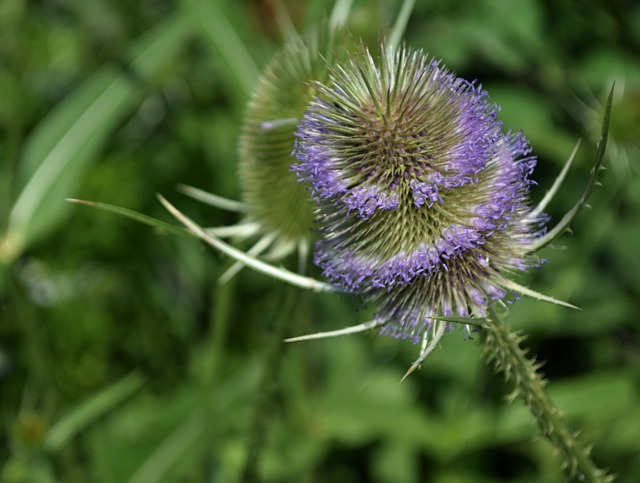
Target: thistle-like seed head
273,198
421,196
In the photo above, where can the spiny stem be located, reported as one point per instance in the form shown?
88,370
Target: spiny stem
502,348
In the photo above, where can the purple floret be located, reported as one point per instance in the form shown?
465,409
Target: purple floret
422,198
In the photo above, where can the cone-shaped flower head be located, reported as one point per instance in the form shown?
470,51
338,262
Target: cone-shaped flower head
422,198
279,205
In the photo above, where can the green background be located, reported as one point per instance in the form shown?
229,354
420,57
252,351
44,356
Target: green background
122,359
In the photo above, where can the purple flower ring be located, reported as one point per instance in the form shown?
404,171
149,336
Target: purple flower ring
421,197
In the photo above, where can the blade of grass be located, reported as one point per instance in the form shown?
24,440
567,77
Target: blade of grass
90,411
139,217
170,450
215,25
340,13
400,24
540,207
60,148
475,321
285,24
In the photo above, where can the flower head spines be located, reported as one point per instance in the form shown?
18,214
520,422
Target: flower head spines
280,99
407,132
421,197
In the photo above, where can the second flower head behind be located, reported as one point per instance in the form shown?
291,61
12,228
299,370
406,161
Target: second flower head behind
422,197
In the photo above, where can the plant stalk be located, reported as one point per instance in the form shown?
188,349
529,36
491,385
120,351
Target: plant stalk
502,348
267,389
215,350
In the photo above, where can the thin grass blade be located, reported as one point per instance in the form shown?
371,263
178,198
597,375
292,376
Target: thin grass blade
91,411
169,452
139,217
340,13
476,321
215,25
400,24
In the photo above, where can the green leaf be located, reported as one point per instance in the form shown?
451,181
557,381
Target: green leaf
170,450
90,411
139,217
217,28
63,144
400,25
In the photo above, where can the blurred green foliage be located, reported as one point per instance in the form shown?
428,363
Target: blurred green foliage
122,360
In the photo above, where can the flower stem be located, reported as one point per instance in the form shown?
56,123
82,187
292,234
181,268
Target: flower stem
215,343
267,389
502,348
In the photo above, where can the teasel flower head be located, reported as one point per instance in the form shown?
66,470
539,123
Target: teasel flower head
277,210
422,197
269,190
